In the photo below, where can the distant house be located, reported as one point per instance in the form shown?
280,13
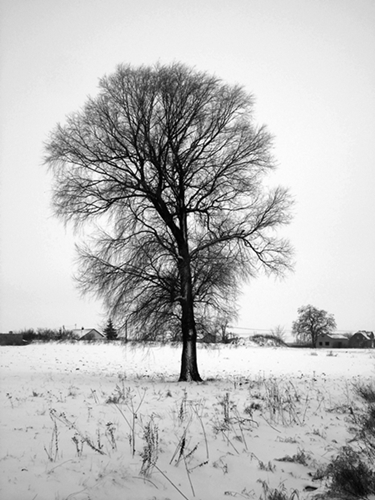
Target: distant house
88,334
12,339
208,338
332,341
362,339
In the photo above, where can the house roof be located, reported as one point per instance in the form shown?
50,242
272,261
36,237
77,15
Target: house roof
81,332
334,336
367,335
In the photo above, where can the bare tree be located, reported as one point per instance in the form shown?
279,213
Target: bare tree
279,332
311,323
168,160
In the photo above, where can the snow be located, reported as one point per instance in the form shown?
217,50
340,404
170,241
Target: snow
212,440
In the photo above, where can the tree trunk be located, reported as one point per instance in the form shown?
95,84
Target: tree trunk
314,339
189,366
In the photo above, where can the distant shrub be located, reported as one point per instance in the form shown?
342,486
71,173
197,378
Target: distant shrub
29,335
46,334
267,339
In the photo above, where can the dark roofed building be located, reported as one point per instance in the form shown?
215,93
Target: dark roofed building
332,341
12,339
362,339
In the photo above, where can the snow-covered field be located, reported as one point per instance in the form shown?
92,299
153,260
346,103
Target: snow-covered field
109,421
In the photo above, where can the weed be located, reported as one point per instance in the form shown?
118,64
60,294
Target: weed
198,409
121,394
170,482
226,404
229,442
10,397
182,413
115,399
89,414
366,392
53,448
364,420
232,422
281,402
350,475
61,417
330,354
340,408
182,453
319,433
301,457
319,474
368,420
77,440
220,464
249,410
244,493
134,409
241,423
72,391
110,434
94,396
277,494
267,467
99,445
151,447
287,440
180,449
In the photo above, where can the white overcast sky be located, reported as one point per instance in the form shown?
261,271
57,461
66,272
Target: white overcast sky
311,67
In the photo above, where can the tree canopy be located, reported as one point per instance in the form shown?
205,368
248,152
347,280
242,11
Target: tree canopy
169,165
311,323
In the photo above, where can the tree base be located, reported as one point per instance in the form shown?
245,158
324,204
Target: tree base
189,367
190,378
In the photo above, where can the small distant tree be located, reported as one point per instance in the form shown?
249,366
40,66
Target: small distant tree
64,335
218,327
279,332
110,331
311,323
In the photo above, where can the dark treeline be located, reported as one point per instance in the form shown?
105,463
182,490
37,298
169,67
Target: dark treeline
46,335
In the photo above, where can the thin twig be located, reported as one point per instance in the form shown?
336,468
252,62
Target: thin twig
189,478
204,431
272,427
143,478
171,482
60,465
230,442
